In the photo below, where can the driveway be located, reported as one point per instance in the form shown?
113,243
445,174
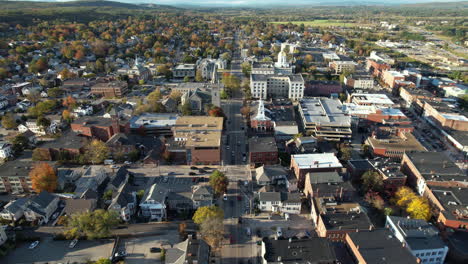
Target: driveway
138,249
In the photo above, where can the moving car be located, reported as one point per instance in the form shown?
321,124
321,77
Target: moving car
155,250
34,244
73,243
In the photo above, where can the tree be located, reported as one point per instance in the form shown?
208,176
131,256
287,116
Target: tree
97,151
206,212
374,199
403,196
419,208
20,143
245,110
8,121
212,231
107,195
199,76
186,109
216,111
175,95
345,153
219,182
69,102
43,177
371,181
43,122
103,261
154,95
39,155
93,225
54,92
67,116
246,68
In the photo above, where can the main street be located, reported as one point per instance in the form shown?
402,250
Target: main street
235,143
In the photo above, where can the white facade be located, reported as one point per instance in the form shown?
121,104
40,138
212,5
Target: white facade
3,236
83,111
183,70
277,86
153,204
421,239
5,150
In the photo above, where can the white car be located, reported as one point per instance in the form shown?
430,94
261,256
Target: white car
225,197
34,244
114,167
73,243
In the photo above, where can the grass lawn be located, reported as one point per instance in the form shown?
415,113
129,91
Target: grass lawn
320,23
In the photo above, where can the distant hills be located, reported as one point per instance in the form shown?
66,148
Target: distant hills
81,3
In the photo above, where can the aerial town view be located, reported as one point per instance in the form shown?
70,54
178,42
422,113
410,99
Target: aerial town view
233,132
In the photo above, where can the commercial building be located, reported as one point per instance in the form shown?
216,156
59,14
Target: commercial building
393,146
359,81
420,237
390,77
154,124
14,177
279,202
184,70
324,118
265,86
262,151
342,66
110,88
292,251
301,164
197,140
99,127
364,99
450,205
378,246
444,114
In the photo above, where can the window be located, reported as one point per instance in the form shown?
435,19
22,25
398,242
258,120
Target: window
441,252
439,259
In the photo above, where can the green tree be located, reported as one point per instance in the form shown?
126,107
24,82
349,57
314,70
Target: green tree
54,92
19,144
43,122
93,225
246,68
198,76
206,212
186,109
97,151
219,182
8,121
186,79
103,261
371,181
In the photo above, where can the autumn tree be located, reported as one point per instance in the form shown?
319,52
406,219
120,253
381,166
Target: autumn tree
245,110
97,151
207,212
8,121
216,111
212,231
43,177
371,181
416,206
219,182
67,116
69,102
199,76
175,95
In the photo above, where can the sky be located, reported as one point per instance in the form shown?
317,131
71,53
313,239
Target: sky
265,2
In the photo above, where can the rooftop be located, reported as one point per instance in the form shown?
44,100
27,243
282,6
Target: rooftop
316,160
198,123
324,111
150,120
262,144
69,140
299,251
435,164
374,99
454,201
380,246
405,142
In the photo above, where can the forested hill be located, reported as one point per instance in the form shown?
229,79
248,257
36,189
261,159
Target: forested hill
26,12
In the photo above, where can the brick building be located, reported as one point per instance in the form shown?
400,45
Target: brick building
109,88
262,151
67,147
197,140
393,145
376,68
99,127
301,164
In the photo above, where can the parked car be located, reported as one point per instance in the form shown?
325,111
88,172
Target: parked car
193,168
34,244
247,230
73,243
155,250
225,197
192,173
127,162
279,232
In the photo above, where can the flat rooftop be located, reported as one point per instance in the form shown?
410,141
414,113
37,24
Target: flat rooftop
324,111
316,160
262,144
153,120
367,99
198,123
405,143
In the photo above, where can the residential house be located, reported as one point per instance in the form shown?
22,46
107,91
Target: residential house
378,246
271,175
153,203
202,195
124,202
280,202
83,110
5,150
190,251
91,181
14,210
420,237
41,207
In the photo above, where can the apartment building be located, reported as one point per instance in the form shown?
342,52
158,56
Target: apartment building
265,86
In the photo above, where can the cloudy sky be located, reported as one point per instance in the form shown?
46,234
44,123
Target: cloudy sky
263,2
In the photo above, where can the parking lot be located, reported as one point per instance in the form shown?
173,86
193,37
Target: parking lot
54,252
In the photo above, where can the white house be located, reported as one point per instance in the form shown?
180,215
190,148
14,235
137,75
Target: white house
124,202
41,207
420,237
83,110
14,210
153,203
5,150
280,202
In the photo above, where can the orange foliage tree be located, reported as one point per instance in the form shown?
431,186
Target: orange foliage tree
43,177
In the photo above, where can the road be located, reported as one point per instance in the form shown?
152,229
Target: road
236,148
